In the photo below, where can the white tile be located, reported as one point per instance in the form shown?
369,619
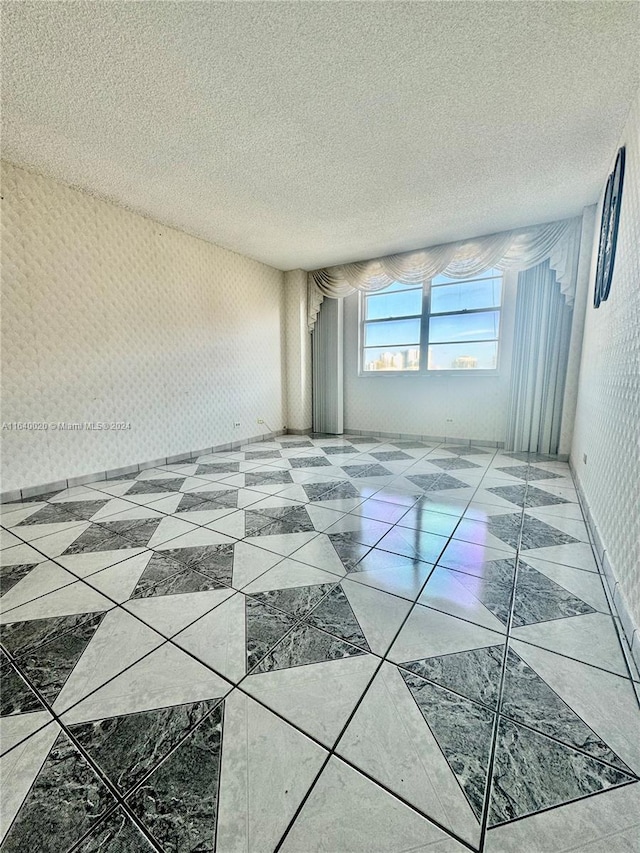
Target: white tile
363,818
267,768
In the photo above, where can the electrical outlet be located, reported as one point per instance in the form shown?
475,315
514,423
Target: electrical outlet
584,458
260,420
449,420
236,423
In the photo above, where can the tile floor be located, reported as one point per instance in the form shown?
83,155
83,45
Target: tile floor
327,644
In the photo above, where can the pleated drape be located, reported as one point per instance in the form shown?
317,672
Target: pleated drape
327,369
540,351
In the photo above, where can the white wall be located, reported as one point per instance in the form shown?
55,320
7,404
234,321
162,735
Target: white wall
298,351
460,406
607,425
108,316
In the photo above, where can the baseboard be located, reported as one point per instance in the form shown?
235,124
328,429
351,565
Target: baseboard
83,479
628,631
291,431
477,442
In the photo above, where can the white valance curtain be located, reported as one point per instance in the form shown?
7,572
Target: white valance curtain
519,249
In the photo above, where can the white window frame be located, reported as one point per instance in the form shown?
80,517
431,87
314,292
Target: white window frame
424,318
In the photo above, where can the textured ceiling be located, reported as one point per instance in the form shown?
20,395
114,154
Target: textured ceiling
308,133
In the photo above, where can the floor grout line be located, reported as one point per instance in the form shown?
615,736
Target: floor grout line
382,658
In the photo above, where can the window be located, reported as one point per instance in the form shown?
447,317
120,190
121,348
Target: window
449,324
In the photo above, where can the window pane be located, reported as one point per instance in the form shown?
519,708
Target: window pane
464,327
396,304
481,356
395,358
392,332
473,294
395,287
443,279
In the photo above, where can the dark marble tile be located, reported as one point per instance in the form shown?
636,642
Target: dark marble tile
292,511
519,471
50,514
128,747
130,476
46,650
348,549
178,803
157,486
267,478
426,482
528,456
99,538
264,628
65,801
218,468
305,645
16,697
410,444
225,497
446,482
294,520
335,615
21,638
532,772
365,439
506,528
494,589
186,580
11,575
262,454
83,510
117,833
527,532
159,568
391,455
436,482
463,731
197,501
296,600
332,491
214,561
474,674
303,442
266,523
529,472
137,530
526,496
538,534
464,450
542,474
309,462
339,451
357,472
540,599
454,464
527,699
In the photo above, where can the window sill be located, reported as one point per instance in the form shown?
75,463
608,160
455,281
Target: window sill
431,374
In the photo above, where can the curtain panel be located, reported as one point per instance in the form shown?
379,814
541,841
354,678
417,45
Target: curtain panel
539,363
519,249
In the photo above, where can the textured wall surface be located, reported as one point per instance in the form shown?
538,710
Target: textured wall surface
108,316
297,350
460,406
607,426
